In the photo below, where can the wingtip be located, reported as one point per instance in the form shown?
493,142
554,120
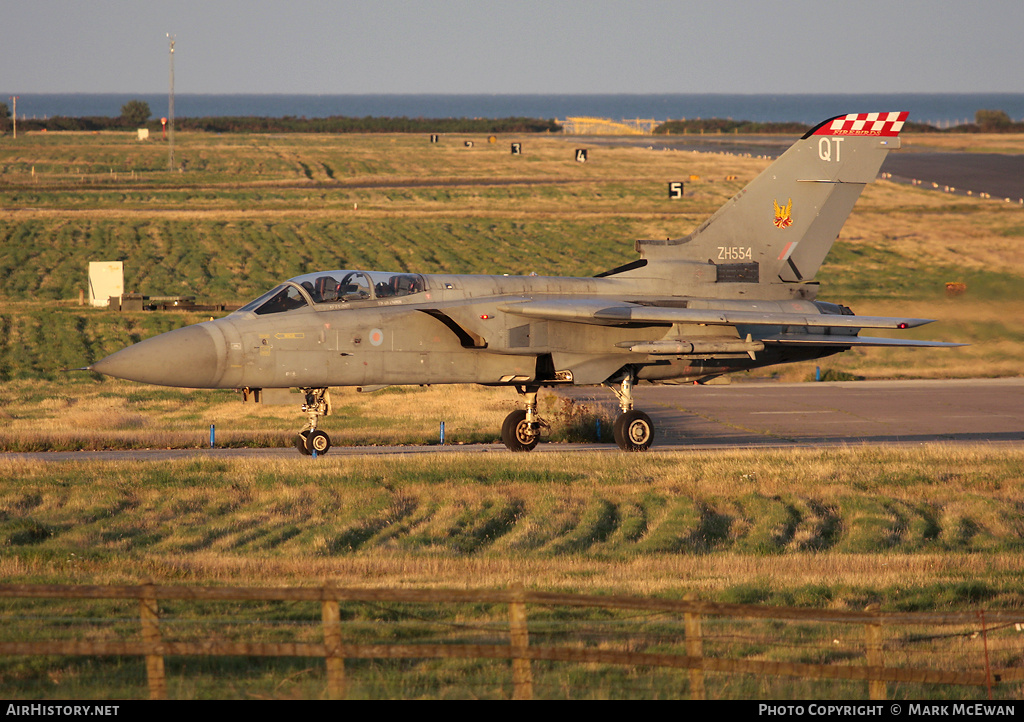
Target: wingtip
914,322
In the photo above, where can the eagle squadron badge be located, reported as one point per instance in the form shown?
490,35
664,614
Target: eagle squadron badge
783,214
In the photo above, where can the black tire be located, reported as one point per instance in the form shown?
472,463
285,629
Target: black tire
617,429
635,431
516,433
300,442
319,442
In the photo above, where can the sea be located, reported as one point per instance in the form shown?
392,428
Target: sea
937,109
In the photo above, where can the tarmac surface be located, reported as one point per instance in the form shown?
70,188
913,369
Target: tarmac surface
830,413
1001,176
739,416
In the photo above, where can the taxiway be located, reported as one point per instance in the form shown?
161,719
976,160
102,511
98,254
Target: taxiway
740,415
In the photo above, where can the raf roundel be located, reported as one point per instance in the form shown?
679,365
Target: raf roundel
376,337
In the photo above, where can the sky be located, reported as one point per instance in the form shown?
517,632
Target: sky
513,46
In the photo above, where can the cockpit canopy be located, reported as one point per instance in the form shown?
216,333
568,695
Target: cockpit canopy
335,287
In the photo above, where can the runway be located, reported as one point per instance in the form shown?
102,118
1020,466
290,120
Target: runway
827,414
736,416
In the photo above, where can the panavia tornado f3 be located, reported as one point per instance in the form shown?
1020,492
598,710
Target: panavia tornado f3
737,293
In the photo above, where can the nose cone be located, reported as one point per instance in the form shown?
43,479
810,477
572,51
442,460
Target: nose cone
191,357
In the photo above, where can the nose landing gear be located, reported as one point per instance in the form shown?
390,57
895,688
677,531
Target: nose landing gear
311,439
522,428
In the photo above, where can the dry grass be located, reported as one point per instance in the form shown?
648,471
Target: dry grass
708,576
120,414
929,228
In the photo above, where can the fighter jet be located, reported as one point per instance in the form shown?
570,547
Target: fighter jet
737,293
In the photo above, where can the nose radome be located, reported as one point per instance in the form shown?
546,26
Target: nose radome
191,357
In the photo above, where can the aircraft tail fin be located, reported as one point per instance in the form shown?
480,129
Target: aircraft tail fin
780,227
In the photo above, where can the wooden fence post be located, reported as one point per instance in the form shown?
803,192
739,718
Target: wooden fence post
522,672
877,688
988,666
150,614
333,653
694,648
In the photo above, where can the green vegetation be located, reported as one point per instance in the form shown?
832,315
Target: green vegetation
178,519
135,113
995,121
727,125
236,260
986,121
342,124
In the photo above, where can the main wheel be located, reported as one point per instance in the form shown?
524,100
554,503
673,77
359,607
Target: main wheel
516,433
633,431
617,428
319,442
300,442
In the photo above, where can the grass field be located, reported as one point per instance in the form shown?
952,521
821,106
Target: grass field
931,528
928,529
899,527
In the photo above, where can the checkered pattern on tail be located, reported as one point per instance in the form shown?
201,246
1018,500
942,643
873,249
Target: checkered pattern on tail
880,124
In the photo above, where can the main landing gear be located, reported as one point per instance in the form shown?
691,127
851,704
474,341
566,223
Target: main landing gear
311,439
633,430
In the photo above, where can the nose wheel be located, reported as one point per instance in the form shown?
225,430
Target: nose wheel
311,440
522,428
517,433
